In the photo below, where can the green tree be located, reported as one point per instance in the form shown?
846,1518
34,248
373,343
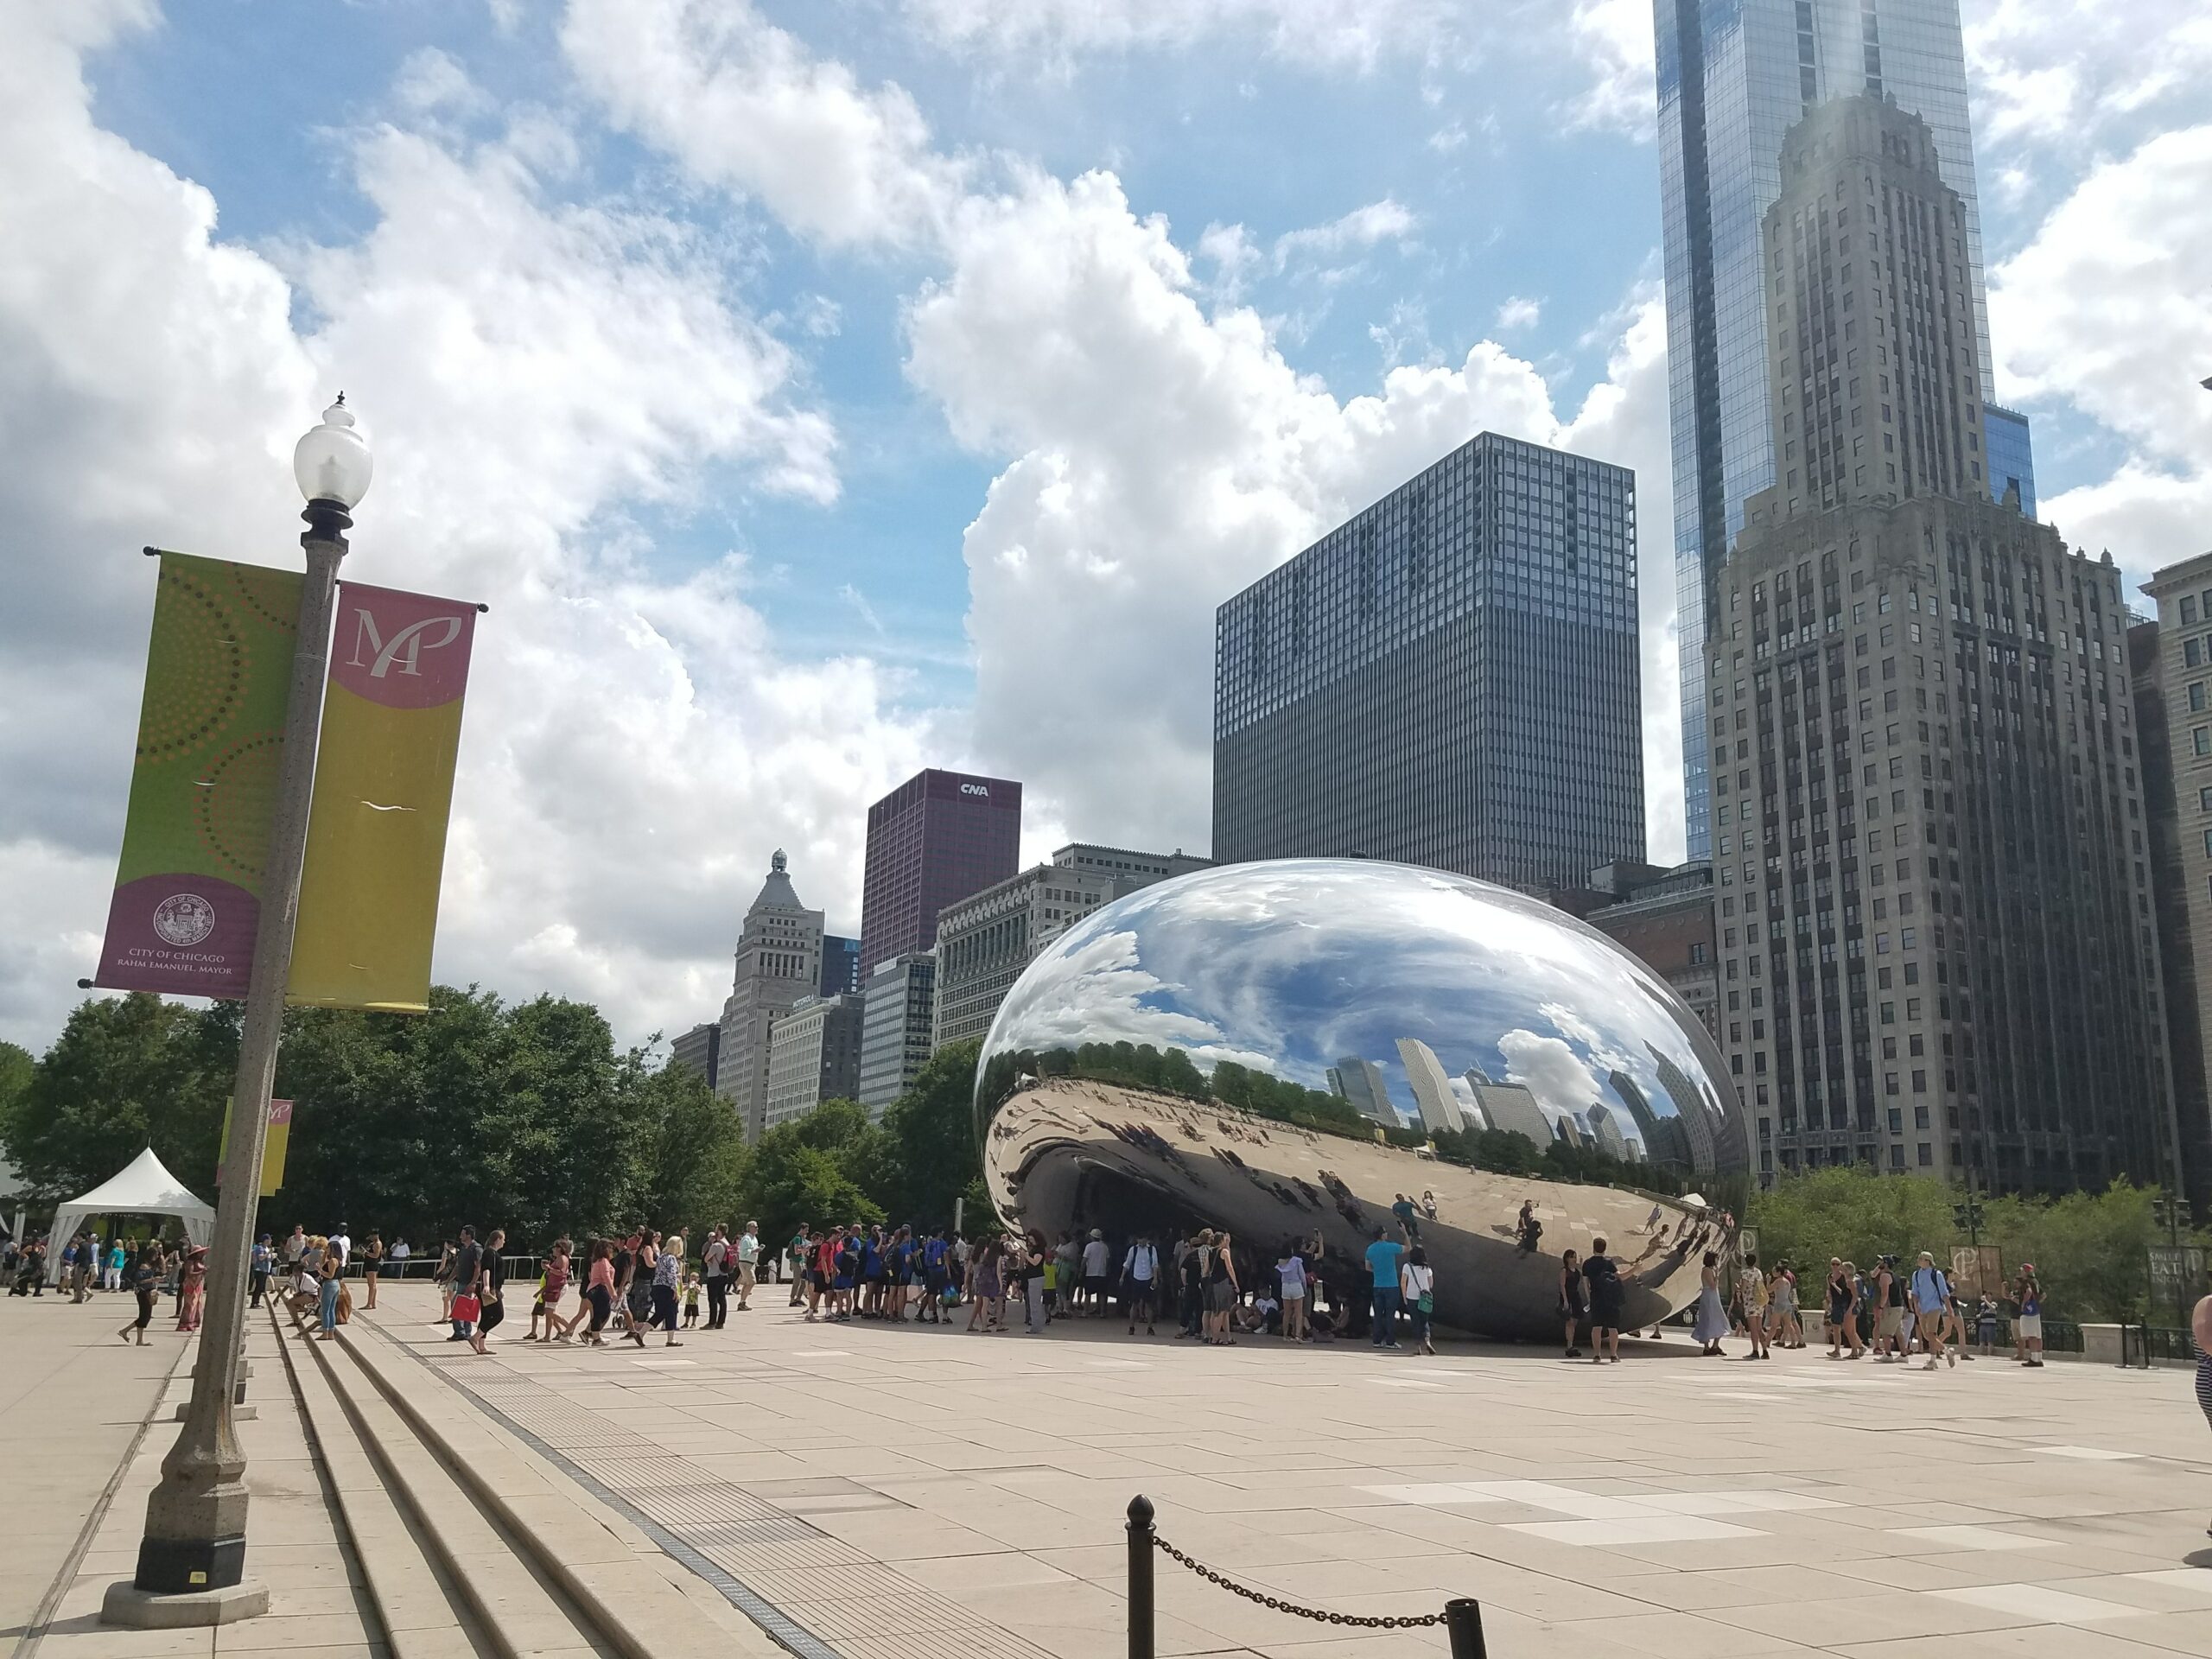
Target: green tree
16,1068
931,1157
804,1171
2090,1249
697,1167
1852,1211
126,1073
518,1117
1508,1152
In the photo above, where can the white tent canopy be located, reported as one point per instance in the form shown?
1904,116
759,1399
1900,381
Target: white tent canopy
144,1187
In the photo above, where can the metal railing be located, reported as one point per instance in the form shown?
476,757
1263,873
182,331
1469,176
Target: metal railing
1461,1616
2144,1344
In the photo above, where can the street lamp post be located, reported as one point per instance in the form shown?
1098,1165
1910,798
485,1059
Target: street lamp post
192,1558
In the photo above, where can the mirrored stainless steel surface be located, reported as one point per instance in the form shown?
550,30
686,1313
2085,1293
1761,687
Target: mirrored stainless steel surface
1283,1048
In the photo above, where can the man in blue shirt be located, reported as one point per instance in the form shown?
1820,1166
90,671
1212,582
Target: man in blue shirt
1382,1267
1931,1296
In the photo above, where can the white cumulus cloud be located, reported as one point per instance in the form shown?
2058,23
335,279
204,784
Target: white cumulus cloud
531,369
744,105
1162,456
2105,313
1356,33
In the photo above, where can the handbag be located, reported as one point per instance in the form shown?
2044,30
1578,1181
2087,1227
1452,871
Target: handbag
466,1310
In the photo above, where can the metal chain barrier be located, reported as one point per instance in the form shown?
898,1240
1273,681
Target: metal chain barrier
1461,1616
1363,1621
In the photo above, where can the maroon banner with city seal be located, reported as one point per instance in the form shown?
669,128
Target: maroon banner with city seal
211,733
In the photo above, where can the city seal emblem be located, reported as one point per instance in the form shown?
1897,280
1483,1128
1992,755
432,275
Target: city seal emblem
183,920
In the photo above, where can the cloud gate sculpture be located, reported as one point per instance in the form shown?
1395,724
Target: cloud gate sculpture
1287,1049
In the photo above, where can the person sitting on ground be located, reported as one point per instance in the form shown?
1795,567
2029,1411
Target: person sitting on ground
1247,1318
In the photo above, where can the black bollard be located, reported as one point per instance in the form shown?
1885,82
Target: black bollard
1141,1537
1463,1622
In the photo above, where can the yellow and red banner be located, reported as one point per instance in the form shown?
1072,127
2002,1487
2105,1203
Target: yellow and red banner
382,793
278,1143
211,733
275,1145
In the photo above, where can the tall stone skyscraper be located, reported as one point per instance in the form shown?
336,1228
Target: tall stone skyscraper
1937,947
1734,76
778,962
2171,659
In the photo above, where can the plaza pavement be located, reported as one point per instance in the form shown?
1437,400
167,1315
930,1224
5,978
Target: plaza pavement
913,1493
74,1402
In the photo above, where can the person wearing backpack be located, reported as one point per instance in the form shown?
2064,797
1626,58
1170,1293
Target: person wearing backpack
1931,1300
1141,1283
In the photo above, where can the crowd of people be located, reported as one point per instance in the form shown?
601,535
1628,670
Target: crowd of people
1215,1289
1889,1312
90,1266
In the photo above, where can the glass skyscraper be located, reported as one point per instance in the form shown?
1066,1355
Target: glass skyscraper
2010,460
1734,76
1448,678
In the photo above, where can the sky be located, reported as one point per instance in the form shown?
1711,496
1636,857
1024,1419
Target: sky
818,391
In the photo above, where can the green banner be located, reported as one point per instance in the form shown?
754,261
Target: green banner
211,731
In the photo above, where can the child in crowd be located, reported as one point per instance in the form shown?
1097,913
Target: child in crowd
691,1298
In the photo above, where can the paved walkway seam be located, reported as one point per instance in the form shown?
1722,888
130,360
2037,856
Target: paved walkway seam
777,1625
50,1603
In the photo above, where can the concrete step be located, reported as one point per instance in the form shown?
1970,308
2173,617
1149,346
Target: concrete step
517,1612
421,1611
637,1601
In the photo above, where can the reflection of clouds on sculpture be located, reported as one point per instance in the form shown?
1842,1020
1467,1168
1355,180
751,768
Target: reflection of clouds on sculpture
1603,1054
1294,969
1551,1070
1106,1098
1100,996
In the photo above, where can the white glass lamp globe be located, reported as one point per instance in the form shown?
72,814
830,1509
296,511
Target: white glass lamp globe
332,461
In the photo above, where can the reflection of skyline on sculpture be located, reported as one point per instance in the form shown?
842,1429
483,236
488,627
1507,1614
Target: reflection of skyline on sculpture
1241,1048
1426,994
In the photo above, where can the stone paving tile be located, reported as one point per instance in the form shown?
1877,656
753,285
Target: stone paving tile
1850,1495
294,1542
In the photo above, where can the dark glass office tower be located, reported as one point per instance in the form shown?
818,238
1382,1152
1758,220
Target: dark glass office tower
2012,458
841,966
933,841
1448,678
1734,76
